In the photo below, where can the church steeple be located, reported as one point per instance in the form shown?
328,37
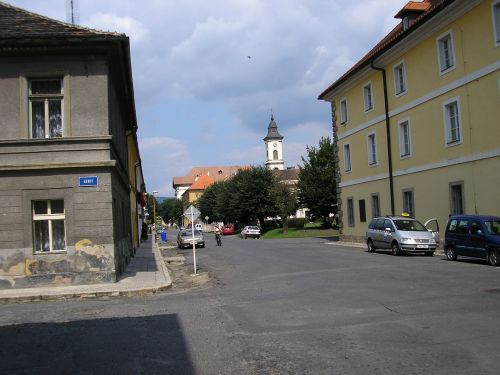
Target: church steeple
274,147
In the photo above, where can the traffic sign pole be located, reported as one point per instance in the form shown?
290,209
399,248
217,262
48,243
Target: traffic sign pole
192,231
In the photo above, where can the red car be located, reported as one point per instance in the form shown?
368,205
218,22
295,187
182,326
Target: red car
228,229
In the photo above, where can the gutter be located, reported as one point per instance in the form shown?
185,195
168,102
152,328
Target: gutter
388,132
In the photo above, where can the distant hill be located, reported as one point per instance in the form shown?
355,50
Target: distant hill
161,199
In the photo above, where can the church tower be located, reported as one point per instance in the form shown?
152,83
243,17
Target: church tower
274,147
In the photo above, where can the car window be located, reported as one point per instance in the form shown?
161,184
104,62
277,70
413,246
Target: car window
475,226
388,224
379,224
253,228
372,224
462,227
493,227
409,225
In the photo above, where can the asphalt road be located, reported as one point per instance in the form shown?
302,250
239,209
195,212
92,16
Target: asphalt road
275,307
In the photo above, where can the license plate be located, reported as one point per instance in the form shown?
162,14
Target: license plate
422,247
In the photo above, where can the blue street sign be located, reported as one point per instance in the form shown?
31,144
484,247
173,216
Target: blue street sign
88,181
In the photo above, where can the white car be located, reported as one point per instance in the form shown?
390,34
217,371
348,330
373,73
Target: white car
250,231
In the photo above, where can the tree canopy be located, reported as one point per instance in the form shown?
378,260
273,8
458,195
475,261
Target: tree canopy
317,186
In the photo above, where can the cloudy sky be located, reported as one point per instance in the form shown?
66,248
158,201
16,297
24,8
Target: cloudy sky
208,73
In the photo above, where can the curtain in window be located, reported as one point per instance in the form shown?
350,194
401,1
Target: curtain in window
42,236
58,242
55,118
37,119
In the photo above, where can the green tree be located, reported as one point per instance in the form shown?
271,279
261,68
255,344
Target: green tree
253,192
286,201
170,210
317,181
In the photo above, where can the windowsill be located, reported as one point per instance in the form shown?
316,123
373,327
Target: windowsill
401,93
406,156
343,123
447,70
454,143
348,172
373,164
50,252
369,110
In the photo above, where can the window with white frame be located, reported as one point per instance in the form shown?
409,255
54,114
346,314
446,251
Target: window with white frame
496,21
347,158
400,79
446,52
456,198
367,96
404,139
343,111
49,230
408,203
375,205
45,98
453,131
372,148
350,212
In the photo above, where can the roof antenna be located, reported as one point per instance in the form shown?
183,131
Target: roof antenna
72,13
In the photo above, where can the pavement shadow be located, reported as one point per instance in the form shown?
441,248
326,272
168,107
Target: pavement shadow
139,345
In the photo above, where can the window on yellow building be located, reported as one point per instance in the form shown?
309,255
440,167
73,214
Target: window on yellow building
452,122
375,205
367,96
404,139
408,203
496,21
350,212
446,53
343,111
456,198
372,149
347,158
400,79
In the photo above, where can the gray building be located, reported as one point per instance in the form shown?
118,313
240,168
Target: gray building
66,109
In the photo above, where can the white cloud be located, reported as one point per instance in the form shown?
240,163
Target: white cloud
123,24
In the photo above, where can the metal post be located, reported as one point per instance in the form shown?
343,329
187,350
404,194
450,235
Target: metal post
192,231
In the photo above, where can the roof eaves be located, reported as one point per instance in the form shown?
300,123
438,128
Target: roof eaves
386,44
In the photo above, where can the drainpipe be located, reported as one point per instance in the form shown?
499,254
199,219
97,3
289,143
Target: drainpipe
388,131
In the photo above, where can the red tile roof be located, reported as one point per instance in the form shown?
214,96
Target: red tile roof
395,36
17,23
202,183
218,173
414,6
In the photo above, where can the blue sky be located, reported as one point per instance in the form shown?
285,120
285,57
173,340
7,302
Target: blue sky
202,101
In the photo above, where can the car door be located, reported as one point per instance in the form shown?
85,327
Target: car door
432,226
476,240
461,237
378,233
386,238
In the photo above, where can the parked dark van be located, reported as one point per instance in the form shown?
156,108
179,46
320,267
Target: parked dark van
475,236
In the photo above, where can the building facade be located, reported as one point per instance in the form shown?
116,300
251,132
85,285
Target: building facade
416,120
66,105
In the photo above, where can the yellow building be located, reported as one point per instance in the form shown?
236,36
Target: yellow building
137,188
417,120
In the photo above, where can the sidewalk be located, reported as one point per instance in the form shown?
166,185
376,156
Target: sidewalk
145,274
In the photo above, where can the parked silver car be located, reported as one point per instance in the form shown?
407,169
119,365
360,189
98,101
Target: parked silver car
250,231
402,235
185,238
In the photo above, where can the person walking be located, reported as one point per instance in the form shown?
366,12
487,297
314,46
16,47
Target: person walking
218,234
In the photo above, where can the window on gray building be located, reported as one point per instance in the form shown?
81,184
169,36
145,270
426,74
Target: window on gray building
49,231
375,205
45,108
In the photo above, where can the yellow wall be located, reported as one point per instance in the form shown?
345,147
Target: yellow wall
133,157
432,166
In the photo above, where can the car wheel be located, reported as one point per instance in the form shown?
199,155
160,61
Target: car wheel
493,258
395,249
371,248
245,237
451,254
429,253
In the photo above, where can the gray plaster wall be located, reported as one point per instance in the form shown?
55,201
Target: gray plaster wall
85,94
90,243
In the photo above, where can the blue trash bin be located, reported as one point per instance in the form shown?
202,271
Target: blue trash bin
163,236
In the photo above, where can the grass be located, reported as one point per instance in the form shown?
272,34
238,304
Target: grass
300,233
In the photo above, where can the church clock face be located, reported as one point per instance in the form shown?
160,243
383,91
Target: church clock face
275,144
